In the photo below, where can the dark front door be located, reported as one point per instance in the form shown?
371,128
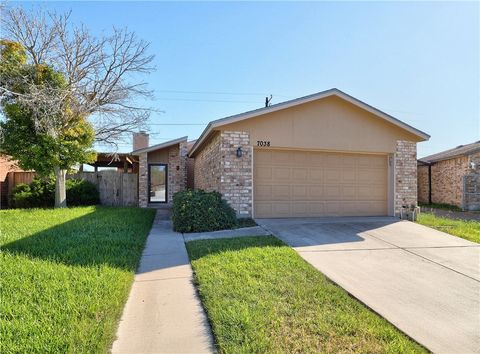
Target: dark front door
157,181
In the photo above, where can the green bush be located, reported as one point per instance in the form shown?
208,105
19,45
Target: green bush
41,193
81,192
198,211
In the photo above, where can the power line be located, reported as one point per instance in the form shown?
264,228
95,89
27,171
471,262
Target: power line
220,93
177,123
202,100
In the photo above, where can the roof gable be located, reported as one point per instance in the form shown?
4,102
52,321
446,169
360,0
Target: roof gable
160,146
302,100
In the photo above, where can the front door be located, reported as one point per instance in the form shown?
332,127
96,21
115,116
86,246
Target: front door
157,180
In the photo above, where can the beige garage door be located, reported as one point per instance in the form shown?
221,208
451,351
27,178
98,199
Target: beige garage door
304,184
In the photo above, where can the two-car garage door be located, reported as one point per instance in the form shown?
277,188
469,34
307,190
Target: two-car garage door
289,183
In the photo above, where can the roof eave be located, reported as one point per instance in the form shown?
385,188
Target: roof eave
160,146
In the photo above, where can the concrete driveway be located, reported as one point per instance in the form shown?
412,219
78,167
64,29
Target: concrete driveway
425,282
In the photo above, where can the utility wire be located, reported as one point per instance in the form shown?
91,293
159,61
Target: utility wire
203,100
220,93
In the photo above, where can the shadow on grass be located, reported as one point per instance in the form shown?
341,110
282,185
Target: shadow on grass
107,236
202,248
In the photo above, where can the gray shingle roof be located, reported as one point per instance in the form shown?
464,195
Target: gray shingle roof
462,150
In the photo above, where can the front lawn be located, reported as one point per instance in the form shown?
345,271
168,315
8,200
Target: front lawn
469,230
65,275
262,297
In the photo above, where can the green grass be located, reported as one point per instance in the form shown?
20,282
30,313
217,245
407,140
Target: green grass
262,297
469,230
441,206
65,276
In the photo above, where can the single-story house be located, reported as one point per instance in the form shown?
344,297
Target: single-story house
451,177
326,154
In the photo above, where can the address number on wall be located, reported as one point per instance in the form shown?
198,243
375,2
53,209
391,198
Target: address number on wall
263,143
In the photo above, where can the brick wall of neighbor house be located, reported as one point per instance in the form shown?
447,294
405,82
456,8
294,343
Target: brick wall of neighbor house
177,169
447,180
405,174
236,181
471,197
422,184
218,168
207,165
142,180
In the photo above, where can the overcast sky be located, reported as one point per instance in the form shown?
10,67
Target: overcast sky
416,61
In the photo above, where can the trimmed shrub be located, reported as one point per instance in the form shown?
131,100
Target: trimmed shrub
41,193
199,211
81,192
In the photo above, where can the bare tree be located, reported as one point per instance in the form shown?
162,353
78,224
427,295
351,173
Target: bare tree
100,78
102,73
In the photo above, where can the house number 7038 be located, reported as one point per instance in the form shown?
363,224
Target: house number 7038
263,143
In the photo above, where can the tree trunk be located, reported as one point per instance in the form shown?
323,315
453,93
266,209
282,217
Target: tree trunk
60,191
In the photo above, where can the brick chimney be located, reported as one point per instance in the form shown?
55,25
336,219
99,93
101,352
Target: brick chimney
140,140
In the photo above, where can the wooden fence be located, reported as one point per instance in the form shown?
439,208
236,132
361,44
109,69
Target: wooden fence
116,188
11,180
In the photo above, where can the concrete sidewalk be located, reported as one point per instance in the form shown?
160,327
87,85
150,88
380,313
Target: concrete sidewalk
243,232
163,313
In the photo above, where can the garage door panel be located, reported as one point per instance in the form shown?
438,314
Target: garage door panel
349,175
281,157
333,175
315,175
300,192
281,192
263,173
300,174
282,173
308,184
315,192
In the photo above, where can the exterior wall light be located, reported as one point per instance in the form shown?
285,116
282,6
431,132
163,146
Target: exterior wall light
239,152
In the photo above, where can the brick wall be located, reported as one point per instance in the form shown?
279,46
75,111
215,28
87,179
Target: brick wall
207,170
447,181
471,197
143,180
422,184
177,169
236,181
405,174
218,168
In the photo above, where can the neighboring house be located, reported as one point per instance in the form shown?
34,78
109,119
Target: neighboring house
327,154
451,177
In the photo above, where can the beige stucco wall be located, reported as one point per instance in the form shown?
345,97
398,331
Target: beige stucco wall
328,124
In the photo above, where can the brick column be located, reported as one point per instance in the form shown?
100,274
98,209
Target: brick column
236,172
405,175
177,169
143,180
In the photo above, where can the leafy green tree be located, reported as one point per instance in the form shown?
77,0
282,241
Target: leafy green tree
40,129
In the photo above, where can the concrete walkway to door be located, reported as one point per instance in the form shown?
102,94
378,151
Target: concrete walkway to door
163,313
425,282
